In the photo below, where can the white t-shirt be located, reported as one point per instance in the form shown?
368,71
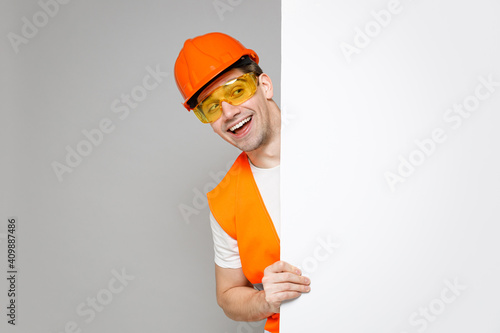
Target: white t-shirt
225,247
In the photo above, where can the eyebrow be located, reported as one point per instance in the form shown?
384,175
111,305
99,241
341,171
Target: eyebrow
206,99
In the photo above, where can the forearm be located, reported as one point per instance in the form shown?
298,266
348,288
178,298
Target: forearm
244,304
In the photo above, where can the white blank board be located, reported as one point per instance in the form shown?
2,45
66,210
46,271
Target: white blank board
390,165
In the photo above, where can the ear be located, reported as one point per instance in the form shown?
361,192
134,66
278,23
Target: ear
266,85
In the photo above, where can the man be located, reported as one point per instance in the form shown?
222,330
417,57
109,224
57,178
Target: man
220,80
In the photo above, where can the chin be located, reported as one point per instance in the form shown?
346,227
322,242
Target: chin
249,146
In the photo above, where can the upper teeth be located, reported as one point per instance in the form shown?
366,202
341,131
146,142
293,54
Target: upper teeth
241,123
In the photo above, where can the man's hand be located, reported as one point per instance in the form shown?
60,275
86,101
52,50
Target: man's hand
282,282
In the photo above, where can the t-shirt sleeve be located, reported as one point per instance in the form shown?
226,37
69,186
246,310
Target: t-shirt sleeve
227,254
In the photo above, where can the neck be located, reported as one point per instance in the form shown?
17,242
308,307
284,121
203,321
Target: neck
269,158
268,155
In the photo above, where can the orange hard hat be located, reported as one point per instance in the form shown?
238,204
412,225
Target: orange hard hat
204,57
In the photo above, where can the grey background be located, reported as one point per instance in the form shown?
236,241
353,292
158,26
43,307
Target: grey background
119,208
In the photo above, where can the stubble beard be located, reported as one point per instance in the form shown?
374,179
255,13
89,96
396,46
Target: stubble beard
259,140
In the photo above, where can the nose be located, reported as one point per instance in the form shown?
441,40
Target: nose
229,110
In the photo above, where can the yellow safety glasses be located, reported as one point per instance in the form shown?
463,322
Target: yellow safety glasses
234,92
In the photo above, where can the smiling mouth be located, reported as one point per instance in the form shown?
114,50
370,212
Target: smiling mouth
236,128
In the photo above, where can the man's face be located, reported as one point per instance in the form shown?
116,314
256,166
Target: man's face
250,125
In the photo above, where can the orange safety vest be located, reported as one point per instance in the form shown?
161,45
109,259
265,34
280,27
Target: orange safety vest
238,207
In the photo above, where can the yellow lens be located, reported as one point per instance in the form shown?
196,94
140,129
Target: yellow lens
200,116
234,92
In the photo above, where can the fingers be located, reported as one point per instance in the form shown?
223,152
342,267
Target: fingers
282,271
271,286
282,278
282,266
282,282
